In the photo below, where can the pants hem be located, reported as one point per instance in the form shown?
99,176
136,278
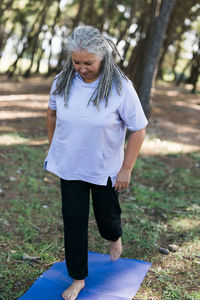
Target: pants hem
78,277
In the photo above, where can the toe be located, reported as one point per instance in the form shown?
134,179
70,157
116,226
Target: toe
66,296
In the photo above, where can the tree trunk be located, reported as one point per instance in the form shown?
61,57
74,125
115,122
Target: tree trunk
47,4
105,14
153,45
28,34
181,77
62,54
79,13
90,13
134,66
11,70
4,35
123,33
39,60
52,30
176,57
195,70
135,60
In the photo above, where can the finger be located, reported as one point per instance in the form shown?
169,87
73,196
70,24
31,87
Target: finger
124,185
120,186
117,185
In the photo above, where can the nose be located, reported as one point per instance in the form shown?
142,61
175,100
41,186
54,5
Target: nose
83,69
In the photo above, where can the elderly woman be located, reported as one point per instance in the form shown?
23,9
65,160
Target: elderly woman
91,105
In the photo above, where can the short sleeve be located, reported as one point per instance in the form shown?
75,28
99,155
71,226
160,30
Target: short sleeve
130,110
52,97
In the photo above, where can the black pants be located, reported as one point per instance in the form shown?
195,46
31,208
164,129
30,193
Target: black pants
75,209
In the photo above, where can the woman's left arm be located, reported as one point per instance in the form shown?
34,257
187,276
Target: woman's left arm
135,141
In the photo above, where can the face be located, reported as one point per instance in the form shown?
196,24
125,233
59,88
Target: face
86,64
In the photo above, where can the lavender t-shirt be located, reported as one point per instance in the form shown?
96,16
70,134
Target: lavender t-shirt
88,144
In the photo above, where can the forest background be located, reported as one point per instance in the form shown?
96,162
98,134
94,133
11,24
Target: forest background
159,41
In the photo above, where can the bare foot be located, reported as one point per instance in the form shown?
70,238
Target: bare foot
115,249
71,293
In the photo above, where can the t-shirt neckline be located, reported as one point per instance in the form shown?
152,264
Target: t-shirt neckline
95,82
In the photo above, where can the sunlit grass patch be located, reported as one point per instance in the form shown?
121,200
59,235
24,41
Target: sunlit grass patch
154,145
191,223
12,139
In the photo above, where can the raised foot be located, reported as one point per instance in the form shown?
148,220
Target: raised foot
115,249
71,293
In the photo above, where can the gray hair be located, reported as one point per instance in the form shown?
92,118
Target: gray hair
89,39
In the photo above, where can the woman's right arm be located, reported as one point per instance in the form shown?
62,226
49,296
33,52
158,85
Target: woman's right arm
51,123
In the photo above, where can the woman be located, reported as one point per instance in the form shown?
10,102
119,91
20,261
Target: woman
91,105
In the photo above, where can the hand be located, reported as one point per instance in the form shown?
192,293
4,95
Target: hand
123,179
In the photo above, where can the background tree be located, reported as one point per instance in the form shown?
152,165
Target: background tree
181,20
150,35
151,44
195,67
5,6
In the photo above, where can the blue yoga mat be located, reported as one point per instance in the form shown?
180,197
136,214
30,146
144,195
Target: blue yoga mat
107,280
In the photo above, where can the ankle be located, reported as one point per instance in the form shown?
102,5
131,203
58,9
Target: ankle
117,241
79,281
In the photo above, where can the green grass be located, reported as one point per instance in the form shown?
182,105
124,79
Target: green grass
161,207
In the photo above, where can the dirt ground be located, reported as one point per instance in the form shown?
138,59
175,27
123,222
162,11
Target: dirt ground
176,113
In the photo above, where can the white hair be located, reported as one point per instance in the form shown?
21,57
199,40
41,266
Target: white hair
89,39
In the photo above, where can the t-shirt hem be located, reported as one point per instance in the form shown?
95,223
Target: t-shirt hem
80,176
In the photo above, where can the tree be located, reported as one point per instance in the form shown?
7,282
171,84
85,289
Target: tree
5,6
35,37
153,45
195,69
181,20
142,25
